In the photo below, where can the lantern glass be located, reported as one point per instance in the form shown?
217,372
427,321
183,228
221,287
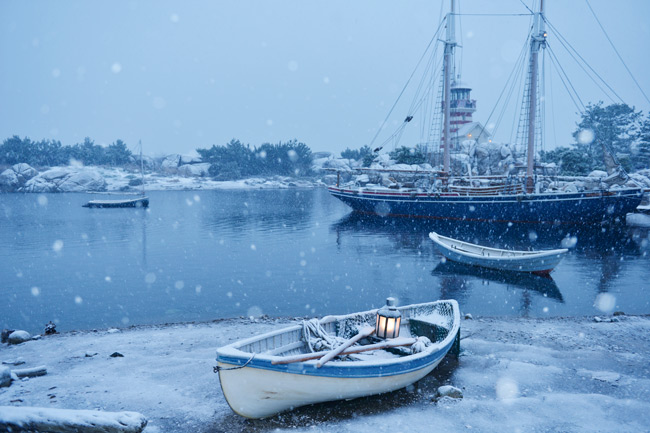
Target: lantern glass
388,320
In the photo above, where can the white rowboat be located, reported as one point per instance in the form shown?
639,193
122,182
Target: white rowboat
129,202
536,262
271,373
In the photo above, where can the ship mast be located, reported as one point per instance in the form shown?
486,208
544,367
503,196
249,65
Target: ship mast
141,167
450,44
538,41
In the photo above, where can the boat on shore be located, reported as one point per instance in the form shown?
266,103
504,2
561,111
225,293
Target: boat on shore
523,191
277,371
536,262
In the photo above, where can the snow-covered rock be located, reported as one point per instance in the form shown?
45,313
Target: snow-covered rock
8,181
598,173
194,170
317,164
13,178
338,164
18,337
24,171
80,181
170,164
449,391
362,179
5,376
65,179
190,159
330,179
641,179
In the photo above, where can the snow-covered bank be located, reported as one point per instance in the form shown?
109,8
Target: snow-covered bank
516,374
23,178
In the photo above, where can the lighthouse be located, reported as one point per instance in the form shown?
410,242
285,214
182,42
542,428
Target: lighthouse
461,106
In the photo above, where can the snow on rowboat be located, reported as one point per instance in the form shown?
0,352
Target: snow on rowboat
537,262
132,202
277,371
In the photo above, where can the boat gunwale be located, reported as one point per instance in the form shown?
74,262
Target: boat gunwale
416,195
118,201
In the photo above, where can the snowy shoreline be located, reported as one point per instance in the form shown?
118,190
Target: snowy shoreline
517,374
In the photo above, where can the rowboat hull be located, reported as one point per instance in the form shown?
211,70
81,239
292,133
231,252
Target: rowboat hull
255,387
255,393
553,208
136,202
538,262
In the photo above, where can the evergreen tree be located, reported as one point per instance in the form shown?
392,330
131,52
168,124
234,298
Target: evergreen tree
117,154
408,155
614,126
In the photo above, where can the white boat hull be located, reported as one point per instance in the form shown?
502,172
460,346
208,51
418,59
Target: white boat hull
538,262
255,393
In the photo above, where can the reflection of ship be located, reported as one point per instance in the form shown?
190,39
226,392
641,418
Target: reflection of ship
543,285
413,233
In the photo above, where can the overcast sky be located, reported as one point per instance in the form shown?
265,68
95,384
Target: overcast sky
181,75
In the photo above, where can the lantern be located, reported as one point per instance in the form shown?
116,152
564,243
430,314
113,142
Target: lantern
388,320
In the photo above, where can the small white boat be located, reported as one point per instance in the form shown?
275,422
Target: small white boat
128,202
274,372
141,201
537,262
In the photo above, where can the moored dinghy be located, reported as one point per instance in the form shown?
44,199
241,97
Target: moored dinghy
280,370
128,202
537,262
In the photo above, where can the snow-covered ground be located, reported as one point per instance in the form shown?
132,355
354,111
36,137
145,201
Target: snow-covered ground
517,374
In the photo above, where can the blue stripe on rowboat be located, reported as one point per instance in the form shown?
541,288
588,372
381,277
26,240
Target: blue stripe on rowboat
389,367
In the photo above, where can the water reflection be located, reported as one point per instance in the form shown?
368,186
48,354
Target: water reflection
587,239
540,285
264,210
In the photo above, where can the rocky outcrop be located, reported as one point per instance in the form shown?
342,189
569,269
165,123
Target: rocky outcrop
15,177
170,164
190,159
65,179
194,170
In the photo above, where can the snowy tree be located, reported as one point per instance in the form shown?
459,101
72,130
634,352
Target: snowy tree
615,126
642,158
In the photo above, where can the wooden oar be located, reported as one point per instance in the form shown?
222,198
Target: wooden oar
334,352
397,342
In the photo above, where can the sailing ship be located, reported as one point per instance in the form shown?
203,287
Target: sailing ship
532,197
135,202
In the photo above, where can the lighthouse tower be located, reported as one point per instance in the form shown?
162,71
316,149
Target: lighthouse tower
461,107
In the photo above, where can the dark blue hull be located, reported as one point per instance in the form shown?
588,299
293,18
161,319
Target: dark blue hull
554,208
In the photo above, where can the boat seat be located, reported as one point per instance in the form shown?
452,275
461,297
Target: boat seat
423,328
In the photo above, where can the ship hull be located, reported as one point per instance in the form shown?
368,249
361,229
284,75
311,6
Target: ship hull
552,208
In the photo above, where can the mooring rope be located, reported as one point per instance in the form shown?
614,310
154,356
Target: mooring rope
217,368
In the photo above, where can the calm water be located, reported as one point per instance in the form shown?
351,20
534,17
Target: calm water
195,256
